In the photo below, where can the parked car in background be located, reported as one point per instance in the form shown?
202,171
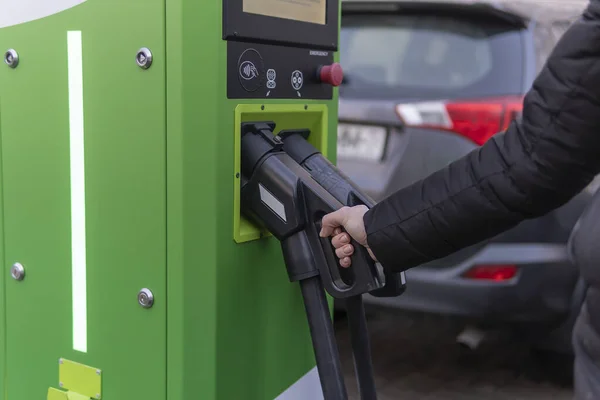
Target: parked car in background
425,83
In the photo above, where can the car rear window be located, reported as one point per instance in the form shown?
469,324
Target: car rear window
429,56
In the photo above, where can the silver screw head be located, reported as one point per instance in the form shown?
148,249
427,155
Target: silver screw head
143,58
146,298
17,272
11,58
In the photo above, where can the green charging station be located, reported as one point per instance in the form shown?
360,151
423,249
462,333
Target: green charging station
129,271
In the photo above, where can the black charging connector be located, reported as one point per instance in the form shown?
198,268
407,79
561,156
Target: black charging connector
283,196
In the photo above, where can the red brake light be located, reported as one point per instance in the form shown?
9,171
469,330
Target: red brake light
492,272
477,120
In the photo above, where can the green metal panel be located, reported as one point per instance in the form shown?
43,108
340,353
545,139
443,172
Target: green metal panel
124,114
243,322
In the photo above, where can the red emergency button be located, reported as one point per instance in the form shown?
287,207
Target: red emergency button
331,74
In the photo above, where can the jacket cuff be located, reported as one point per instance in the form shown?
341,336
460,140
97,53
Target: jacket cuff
386,247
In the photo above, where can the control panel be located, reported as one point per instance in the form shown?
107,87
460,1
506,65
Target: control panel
265,71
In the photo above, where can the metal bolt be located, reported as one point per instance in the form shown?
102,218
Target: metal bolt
98,372
60,361
17,272
60,384
11,58
97,395
146,298
143,58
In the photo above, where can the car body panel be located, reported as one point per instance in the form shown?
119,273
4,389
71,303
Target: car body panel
541,291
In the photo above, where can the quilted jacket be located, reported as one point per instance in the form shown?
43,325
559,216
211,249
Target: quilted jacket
541,161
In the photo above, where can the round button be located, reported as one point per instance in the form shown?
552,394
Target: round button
331,74
251,70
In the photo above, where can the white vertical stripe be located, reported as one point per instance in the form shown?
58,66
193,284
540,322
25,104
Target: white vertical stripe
78,251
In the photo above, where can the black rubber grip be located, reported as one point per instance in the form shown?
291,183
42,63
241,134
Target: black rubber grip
363,277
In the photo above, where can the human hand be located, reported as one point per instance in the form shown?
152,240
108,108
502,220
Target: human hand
344,224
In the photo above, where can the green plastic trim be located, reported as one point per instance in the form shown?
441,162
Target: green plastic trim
286,116
55,394
80,378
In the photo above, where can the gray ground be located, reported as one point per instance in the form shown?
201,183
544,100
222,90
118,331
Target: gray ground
415,357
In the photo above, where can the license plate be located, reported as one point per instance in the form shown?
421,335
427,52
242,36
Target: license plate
361,142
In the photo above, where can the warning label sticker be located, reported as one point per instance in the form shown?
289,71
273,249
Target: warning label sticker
312,11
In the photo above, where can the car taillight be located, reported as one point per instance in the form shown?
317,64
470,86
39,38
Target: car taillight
492,272
477,120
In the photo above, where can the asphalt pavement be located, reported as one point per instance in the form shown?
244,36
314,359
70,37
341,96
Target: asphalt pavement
415,357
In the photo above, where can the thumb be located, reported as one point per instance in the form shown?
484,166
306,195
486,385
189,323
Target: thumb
332,221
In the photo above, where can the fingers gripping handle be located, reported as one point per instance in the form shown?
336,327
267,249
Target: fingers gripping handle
363,277
394,284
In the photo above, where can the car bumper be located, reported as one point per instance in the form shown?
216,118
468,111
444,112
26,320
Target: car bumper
540,292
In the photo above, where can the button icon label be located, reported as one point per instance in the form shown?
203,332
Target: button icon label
251,70
248,70
297,80
271,75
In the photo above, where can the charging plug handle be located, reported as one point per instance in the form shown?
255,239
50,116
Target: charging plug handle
295,143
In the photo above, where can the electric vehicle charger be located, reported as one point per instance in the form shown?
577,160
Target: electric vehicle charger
282,195
173,247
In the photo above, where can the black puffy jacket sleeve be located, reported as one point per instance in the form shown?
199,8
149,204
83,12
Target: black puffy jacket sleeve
541,161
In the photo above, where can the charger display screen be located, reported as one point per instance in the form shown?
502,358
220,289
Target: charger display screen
311,11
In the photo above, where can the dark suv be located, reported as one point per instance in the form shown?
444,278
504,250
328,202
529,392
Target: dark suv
426,82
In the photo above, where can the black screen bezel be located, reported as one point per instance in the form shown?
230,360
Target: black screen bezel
238,25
